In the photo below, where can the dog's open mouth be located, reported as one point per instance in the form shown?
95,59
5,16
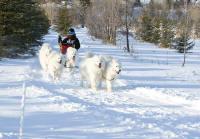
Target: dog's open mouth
99,65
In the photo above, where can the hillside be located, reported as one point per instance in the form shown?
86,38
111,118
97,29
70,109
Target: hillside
154,97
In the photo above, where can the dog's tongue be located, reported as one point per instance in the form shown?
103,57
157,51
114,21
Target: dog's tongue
99,65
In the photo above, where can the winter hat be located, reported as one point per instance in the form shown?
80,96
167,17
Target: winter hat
71,31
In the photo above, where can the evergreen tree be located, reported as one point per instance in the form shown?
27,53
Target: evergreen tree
184,41
167,34
22,26
9,26
64,21
145,31
33,25
156,35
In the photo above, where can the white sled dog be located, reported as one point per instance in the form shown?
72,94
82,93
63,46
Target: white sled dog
71,59
43,56
111,71
55,65
91,69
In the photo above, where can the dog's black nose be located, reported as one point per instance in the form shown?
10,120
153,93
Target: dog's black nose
99,65
118,71
74,58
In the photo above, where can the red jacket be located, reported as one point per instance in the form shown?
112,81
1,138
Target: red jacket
64,48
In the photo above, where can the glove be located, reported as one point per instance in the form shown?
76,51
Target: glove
59,39
60,42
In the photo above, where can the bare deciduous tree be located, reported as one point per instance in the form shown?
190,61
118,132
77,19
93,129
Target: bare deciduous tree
103,19
51,11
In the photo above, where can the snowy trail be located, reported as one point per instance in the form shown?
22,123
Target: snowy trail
151,99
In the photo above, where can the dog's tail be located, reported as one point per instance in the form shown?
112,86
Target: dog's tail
89,54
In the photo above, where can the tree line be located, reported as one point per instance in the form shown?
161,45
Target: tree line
161,22
167,28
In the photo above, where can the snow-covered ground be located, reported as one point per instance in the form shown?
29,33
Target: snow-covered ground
154,97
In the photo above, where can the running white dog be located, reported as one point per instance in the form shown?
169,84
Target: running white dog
91,69
111,71
43,56
55,65
71,59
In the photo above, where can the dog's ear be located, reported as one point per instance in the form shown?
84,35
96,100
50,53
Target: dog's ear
113,61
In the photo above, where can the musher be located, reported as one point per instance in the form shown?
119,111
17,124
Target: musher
70,41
